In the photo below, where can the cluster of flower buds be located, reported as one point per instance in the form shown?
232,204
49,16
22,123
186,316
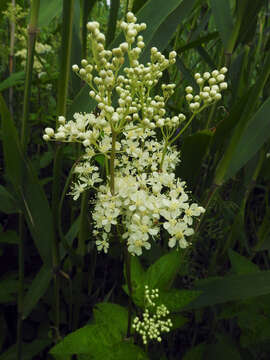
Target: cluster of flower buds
210,85
151,326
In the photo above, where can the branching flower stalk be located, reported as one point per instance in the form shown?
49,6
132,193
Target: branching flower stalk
141,192
154,320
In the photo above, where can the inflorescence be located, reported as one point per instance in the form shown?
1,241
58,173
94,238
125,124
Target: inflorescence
140,194
155,322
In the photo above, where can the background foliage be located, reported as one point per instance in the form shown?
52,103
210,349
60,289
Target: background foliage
56,292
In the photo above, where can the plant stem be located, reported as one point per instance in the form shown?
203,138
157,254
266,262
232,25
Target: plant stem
61,110
114,135
11,56
20,287
32,32
82,237
127,265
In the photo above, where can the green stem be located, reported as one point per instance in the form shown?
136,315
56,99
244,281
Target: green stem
32,33
82,237
61,110
20,287
169,143
65,58
127,265
112,158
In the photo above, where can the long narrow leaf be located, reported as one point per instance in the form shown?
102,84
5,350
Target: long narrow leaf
28,191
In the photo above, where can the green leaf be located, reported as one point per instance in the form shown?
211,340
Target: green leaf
90,339
9,237
248,104
241,265
178,321
231,288
49,9
176,300
253,137
124,351
100,342
112,315
37,289
7,202
164,33
31,196
162,273
8,289
114,7
199,41
138,281
12,80
76,48
193,151
223,19
196,353
30,350
224,349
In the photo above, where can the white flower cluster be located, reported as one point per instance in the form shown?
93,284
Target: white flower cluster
41,50
140,194
210,92
151,326
144,201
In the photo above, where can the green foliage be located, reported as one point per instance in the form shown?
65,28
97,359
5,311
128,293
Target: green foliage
103,339
218,291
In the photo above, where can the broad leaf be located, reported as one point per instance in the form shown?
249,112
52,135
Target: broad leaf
49,9
162,273
176,300
242,265
114,315
231,288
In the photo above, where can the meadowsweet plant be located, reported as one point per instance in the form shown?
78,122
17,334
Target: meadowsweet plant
140,193
154,318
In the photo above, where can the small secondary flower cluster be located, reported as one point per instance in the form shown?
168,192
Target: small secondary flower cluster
141,193
210,93
151,326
